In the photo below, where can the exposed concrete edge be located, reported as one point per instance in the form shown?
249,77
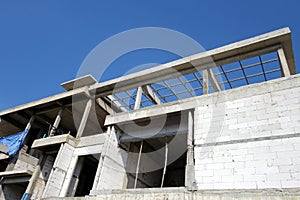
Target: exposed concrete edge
91,140
138,190
15,173
54,140
79,82
199,194
217,97
275,137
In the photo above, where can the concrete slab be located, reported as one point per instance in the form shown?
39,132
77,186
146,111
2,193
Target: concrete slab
79,82
55,140
15,173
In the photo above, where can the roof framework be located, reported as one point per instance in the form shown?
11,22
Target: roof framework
248,71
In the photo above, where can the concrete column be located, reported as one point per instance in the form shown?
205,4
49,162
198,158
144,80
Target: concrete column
138,98
283,62
29,124
190,182
205,81
69,175
101,161
111,130
77,172
84,118
57,121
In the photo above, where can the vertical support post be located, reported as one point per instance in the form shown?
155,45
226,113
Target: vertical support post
28,127
34,177
165,164
57,121
101,159
138,98
190,182
205,81
138,165
77,171
29,124
283,62
84,118
69,175
213,80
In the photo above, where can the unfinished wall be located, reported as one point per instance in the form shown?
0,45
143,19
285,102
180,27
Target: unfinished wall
43,177
249,137
111,173
59,170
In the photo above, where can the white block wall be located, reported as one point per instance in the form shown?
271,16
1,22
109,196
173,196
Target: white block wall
249,138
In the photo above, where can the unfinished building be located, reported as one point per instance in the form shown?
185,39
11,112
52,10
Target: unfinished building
219,124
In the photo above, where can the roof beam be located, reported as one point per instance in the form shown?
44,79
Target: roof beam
14,122
105,106
114,103
152,96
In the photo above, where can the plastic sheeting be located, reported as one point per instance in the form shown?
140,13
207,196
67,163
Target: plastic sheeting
14,142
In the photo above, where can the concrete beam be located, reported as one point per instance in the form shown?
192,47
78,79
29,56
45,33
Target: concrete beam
152,96
105,106
51,141
115,104
14,122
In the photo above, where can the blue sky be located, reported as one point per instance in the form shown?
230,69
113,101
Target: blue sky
43,43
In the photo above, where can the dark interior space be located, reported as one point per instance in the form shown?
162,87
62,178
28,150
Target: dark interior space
175,171
14,191
87,175
3,164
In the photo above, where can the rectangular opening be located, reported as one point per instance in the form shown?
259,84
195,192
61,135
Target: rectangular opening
14,191
84,175
161,163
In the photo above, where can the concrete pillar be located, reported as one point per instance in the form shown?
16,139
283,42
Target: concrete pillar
110,131
57,121
84,118
138,98
29,124
101,161
205,81
283,63
190,181
69,175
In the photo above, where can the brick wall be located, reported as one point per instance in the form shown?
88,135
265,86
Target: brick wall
249,137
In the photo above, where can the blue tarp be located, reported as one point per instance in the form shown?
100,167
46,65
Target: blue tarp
14,142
